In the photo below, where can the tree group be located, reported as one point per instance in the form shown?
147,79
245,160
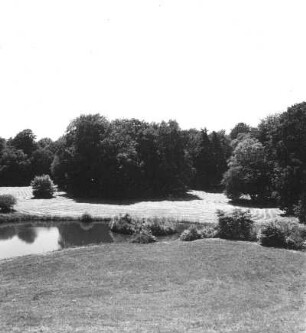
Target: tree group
128,158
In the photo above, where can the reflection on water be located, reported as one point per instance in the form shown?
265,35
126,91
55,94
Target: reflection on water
79,234
18,240
26,233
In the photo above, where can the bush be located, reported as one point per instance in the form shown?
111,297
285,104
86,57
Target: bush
7,202
86,217
161,227
282,234
295,241
191,234
43,187
209,232
236,225
123,225
143,236
300,209
273,234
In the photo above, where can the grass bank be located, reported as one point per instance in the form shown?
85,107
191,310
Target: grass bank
202,286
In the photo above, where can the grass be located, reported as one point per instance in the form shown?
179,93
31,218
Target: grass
202,286
200,207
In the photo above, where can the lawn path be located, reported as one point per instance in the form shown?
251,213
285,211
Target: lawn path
200,209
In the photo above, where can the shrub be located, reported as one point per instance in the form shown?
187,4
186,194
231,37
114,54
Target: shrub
144,236
295,241
123,224
86,217
236,225
272,234
285,234
7,202
191,234
43,187
209,232
161,227
300,209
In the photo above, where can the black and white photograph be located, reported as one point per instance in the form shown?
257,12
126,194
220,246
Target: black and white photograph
152,166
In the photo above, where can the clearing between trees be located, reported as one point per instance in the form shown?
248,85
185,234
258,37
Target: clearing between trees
198,206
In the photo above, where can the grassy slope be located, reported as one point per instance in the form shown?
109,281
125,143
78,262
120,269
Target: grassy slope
202,286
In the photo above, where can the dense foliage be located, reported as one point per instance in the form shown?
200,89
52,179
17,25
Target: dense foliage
43,187
22,158
235,225
284,235
129,158
132,158
7,202
269,163
248,172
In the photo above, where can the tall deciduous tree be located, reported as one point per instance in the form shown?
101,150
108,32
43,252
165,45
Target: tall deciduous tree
248,172
25,141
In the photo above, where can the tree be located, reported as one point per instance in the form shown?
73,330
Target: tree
284,137
41,161
123,158
25,141
2,145
15,168
203,161
238,129
78,164
219,157
248,172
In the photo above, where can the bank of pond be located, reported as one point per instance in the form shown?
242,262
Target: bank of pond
34,237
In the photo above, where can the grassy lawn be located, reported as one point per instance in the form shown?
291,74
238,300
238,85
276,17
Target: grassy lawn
200,207
202,286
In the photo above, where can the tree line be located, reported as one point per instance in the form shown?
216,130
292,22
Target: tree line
132,158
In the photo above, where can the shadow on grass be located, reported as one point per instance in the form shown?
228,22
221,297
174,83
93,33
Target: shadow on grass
247,203
130,201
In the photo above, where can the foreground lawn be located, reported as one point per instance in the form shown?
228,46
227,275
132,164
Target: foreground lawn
202,286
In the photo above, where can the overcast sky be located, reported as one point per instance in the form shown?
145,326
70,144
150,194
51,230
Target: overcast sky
204,63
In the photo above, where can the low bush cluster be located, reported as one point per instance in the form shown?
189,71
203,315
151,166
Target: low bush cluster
283,235
123,225
143,236
43,187
191,234
194,233
7,202
127,225
236,225
161,227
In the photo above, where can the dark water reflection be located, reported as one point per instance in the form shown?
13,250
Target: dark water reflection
78,234
18,240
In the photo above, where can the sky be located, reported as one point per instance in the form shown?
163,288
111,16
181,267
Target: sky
204,63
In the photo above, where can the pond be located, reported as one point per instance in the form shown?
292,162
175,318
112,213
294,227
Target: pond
23,239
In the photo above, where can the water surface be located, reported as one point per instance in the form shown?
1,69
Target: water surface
23,239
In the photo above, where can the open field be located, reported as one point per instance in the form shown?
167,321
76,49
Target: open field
203,286
200,207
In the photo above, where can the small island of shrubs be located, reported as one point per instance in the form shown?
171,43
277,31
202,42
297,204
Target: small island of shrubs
142,230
